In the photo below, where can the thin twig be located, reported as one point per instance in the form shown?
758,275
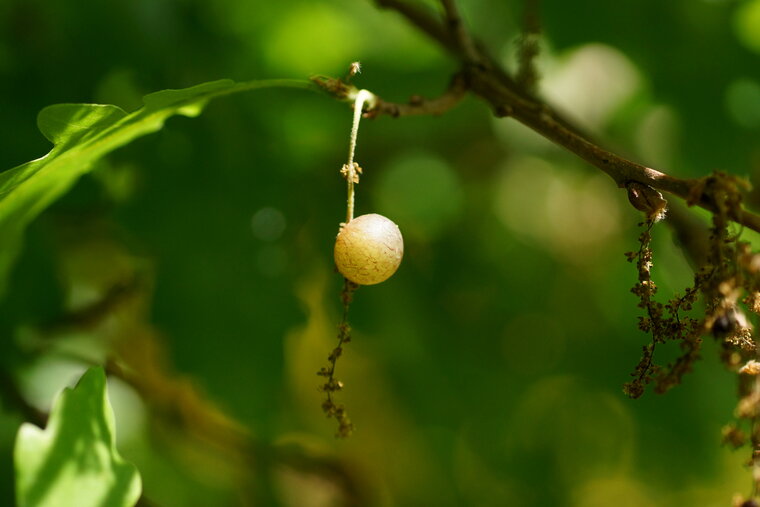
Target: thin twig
424,20
465,44
418,105
528,47
94,313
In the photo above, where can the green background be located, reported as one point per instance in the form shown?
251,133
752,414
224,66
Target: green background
488,370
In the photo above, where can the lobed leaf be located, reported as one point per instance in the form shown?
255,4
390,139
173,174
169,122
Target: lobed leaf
74,460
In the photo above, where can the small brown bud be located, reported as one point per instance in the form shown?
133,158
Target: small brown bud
648,200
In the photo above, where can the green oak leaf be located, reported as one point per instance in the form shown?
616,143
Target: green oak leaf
83,133
74,461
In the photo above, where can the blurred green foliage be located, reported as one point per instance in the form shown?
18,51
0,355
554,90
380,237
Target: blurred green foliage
487,371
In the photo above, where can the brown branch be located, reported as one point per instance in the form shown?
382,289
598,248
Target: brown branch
492,84
424,20
418,105
465,45
93,314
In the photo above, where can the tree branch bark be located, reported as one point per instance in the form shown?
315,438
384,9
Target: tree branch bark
487,80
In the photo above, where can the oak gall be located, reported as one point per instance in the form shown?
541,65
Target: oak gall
368,250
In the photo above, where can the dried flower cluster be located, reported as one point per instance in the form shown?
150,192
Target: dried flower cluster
332,385
665,323
728,284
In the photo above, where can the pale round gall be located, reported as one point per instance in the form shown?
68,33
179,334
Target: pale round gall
368,250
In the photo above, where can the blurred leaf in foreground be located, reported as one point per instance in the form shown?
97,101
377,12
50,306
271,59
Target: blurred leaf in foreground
82,134
74,461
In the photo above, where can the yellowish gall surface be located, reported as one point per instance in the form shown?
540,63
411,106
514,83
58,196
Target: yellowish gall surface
368,250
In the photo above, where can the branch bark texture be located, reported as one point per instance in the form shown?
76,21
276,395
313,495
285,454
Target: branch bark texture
487,80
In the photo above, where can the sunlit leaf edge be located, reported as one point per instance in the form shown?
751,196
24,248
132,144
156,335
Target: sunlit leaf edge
83,133
81,426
